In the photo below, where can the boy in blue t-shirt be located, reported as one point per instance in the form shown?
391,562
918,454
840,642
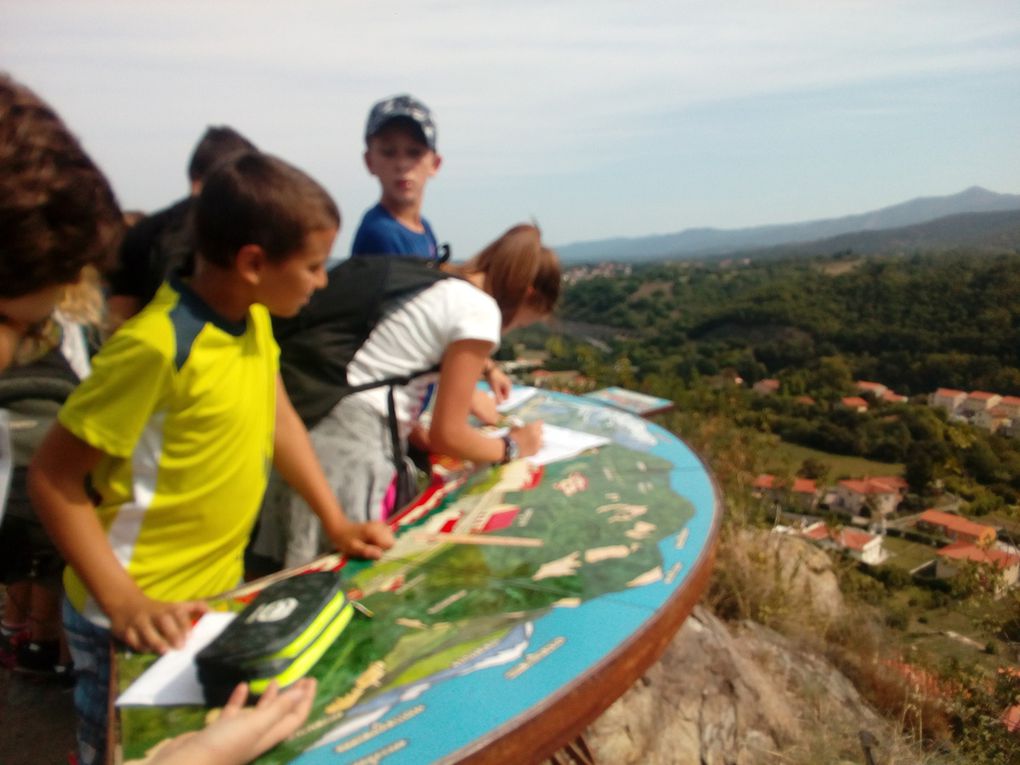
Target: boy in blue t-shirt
400,139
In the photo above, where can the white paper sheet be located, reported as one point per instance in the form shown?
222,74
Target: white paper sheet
558,443
562,443
173,679
518,395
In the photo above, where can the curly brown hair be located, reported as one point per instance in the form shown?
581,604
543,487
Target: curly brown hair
58,213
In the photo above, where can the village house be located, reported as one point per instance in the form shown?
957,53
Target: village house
956,527
1009,407
860,545
978,401
993,420
950,557
947,399
855,403
890,397
801,495
877,497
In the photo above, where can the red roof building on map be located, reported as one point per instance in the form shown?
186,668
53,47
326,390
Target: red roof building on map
500,520
535,473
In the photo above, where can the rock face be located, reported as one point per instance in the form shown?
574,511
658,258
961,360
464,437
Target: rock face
740,693
722,697
799,570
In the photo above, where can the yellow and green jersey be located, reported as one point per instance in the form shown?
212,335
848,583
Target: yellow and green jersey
182,403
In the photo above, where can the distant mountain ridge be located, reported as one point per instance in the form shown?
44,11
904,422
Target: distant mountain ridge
990,232
700,242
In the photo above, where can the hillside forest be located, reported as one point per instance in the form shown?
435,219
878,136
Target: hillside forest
702,333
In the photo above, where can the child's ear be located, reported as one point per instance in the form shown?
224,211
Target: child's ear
368,162
436,162
250,263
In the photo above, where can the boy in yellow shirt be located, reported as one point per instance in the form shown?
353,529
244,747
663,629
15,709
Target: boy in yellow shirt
177,426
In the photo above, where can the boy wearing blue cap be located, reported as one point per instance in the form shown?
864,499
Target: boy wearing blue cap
400,139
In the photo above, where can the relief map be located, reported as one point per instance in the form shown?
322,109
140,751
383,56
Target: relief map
504,585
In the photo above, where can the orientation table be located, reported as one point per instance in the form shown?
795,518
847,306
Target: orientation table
519,602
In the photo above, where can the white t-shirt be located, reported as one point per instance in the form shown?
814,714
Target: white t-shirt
415,335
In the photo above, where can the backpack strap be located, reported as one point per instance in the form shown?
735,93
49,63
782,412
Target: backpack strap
317,345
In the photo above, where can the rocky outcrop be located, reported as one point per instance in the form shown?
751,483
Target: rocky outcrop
739,693
798,573
740,696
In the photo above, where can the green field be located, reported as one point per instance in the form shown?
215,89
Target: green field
907,555
785,458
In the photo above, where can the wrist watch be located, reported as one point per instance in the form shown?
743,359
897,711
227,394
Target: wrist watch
511,450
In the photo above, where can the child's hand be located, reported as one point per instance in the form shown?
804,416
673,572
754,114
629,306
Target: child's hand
364,540
483,406
528,437
240,734
500,383
153,625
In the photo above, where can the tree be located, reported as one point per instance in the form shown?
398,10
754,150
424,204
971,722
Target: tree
919,469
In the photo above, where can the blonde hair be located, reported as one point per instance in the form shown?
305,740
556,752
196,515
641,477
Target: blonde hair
519,271
82,301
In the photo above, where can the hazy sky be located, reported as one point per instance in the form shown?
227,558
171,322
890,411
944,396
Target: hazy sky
595,118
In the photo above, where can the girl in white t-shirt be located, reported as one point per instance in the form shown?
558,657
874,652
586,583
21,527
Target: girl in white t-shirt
455,323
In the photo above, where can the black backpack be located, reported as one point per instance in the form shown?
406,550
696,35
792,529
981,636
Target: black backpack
317,345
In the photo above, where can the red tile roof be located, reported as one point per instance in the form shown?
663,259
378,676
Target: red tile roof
800,485
1011,718
950,392
971,552
877,485
854,401
869,386
855,540
982,395
955,522
852,539
804,486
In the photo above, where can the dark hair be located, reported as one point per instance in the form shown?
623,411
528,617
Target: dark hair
519,270
254,198
217,144
58,213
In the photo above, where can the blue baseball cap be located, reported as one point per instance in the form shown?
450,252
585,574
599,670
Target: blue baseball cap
402,107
